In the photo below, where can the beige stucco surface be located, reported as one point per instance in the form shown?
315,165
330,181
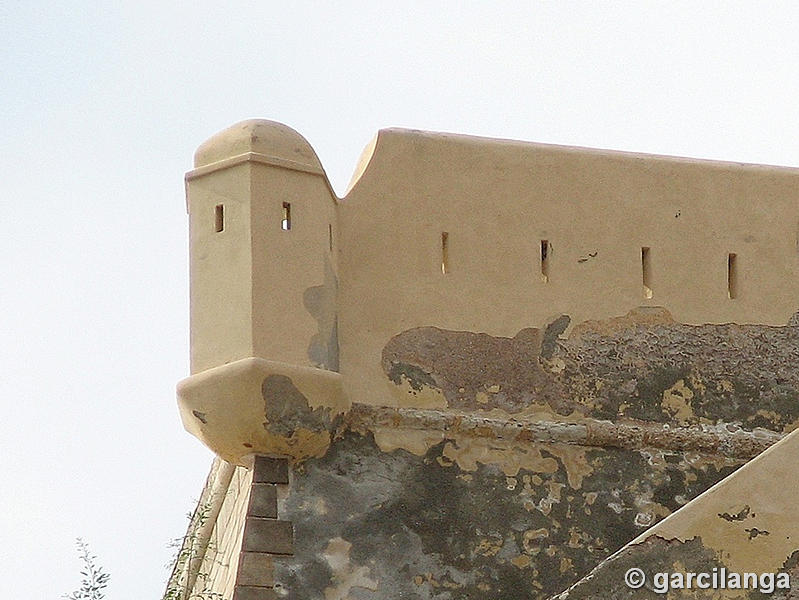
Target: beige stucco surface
498,199
248,280
225,408
352,273
356,321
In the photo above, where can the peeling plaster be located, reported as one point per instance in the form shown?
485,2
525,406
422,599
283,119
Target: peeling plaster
344,577
320,301
422,526
642,367
287,410
292,428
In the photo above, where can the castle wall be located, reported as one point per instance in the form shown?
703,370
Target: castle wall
492,364
744,524
290,264
498,201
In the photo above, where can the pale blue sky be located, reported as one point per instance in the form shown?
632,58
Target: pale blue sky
102,106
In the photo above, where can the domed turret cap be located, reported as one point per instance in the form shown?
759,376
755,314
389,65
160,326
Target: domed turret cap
269,138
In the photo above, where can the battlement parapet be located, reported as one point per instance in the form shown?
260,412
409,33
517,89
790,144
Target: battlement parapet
489,366
522,250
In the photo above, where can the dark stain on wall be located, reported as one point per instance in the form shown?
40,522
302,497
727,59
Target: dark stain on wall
375,524
287,410
461,364
741,515
655,555
549,344
320,301
638,368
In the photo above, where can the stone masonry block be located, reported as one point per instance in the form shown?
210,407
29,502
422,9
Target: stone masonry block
256,568
268,535
249,592
263,501
270,470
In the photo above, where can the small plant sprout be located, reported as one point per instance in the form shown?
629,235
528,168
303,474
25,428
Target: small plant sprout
94,580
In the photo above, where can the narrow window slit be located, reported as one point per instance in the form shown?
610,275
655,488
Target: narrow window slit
732,276
330,237
546,250
219,218
286,223
646,272
444,252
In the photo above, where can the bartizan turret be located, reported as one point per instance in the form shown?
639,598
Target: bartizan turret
263,289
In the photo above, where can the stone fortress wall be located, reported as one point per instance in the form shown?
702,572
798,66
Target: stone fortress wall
510,359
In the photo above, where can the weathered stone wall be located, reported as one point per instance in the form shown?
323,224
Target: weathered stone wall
216,573
541,456
205,563
499,201
488,368
744,525
220,563
374,522
643,367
